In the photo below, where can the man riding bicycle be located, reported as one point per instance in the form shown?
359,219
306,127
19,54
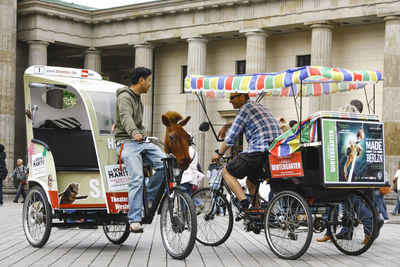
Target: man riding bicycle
260,128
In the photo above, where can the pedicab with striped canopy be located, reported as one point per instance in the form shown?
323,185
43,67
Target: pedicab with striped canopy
320,166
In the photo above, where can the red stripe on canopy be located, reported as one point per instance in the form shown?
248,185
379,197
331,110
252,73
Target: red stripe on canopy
228,83
200,82
260,82
317,89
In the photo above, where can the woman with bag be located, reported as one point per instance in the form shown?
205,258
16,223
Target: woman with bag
379,200
21,173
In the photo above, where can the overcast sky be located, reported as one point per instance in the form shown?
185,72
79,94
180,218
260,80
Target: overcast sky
106,3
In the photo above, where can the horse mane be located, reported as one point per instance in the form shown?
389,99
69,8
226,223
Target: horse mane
173,116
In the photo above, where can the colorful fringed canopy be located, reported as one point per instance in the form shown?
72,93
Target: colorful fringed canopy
316,81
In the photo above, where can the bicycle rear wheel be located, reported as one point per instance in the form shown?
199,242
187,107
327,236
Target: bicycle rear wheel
288,225
214,217
178,225
353,224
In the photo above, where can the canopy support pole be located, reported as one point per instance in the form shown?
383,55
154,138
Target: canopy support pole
370,100
203,106
295,102
301,106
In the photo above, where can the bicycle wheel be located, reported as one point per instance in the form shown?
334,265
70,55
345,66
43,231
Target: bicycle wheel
288,225
37,217
117,231
178,230
214,217
353,224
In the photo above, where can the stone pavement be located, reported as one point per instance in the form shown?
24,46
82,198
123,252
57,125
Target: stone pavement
75,247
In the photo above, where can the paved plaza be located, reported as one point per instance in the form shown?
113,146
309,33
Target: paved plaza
75,247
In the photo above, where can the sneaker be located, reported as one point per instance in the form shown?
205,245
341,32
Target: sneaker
386,221
22,201
323,239
221,214
15,201
136,227
366,239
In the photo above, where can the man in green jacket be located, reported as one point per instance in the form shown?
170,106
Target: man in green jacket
129,132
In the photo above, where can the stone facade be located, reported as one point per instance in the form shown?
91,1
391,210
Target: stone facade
210,37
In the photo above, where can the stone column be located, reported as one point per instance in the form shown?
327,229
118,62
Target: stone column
38,56
256,52
37,53
8,33
391,93
321,55
144,58
93,60
197,54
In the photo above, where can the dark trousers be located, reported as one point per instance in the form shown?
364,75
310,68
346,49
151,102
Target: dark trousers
1,190
21,191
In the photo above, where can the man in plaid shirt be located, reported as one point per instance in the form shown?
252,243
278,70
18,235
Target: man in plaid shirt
260,128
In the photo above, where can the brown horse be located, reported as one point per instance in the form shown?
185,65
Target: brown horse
177,139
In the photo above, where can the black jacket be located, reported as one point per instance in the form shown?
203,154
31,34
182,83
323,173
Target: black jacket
3,165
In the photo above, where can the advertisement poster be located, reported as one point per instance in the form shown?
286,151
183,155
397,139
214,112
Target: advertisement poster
287,166
38,165
117,179
353,151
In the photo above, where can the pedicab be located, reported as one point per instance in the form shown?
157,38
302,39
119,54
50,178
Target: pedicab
320,166
75,177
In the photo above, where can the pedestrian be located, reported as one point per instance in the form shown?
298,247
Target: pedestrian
21,174
3,171
396,178
129,132
379,200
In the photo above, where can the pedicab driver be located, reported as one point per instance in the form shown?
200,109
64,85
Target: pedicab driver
260,128
128,133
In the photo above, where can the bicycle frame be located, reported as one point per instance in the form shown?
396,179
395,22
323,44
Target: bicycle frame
163,192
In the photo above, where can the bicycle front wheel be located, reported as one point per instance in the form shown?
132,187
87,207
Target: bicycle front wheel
178,224
214,217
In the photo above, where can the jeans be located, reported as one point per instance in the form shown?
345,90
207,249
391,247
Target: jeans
362,211
21,191
379,204
132,155
396,209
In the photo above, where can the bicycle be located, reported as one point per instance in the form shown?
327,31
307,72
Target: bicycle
214,230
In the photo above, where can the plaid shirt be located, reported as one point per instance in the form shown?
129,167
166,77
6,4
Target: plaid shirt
258,124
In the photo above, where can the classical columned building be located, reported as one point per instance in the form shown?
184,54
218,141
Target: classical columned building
179,37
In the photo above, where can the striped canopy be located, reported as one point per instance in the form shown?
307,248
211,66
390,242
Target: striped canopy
316,81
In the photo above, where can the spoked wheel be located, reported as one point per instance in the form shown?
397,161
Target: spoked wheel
214,217
288,225
36,217
117,231
353,224
178,225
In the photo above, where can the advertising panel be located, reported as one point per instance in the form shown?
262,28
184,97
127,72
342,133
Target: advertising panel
287,166
353,152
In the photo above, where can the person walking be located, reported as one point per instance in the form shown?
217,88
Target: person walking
21,173
396,178
3,171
